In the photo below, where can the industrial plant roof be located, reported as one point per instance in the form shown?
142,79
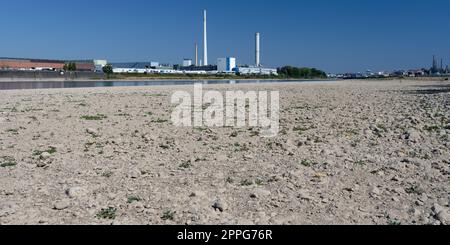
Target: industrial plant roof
132,65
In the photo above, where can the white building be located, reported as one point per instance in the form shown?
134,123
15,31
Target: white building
187,62
256,71
226,65
99,64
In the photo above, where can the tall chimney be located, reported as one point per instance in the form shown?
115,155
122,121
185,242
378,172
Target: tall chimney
257,51
205,40
196,54
434,63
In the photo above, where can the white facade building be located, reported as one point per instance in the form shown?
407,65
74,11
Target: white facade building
187,62
256,71
226,65
99,64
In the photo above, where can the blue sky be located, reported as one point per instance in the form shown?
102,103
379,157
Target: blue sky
334,35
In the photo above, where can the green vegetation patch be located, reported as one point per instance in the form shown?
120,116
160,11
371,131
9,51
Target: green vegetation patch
132,199
107,213
6,162
50,150
97,117
168,215
308,163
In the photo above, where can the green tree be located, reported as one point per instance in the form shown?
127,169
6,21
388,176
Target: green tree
70,66
108,69
301,73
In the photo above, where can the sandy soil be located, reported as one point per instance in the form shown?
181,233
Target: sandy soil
351,152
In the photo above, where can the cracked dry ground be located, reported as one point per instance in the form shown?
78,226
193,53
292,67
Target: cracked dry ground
350,152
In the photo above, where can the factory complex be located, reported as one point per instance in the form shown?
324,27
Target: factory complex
50,65
225,65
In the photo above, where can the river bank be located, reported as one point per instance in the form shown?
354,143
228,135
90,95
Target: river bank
349,152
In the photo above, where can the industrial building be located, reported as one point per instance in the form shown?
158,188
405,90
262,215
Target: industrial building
99,64
256,71
187,62
226,65
43,64
142,67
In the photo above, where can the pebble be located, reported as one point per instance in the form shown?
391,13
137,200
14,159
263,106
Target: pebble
134,174
260,193
7,209
413,136
61,205
444,217
45,156
304,195
219,206
77,192
375,191
92,132
437,208
197,194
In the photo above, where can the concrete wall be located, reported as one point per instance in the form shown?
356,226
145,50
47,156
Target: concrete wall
24,76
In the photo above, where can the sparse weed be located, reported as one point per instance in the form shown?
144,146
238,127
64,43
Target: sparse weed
7,162
159,120
50,150
107,213
246,182
186,165
168,215
414,190
132,199
307,163
97,117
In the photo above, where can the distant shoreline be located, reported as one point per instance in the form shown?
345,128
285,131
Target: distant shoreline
3,80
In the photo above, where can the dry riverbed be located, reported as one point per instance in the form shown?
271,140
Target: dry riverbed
352,152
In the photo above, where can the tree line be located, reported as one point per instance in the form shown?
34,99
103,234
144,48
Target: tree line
303,73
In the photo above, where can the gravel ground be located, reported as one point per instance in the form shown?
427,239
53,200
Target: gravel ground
351,152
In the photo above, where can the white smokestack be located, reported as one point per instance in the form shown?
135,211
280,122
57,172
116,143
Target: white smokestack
205,41
196,54
257,52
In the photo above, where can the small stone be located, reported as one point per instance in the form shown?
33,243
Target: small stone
45,156
7,209
419,203
437,208
197,194
415,212
423,198
260,193
134,174
444,217
249,157
77,192
92,132
397,178
413,136
41,164
375,191
326,152
304,195
61,205
218,206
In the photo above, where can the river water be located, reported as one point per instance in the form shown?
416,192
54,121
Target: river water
96,84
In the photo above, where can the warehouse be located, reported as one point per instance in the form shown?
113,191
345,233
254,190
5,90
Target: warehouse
43,65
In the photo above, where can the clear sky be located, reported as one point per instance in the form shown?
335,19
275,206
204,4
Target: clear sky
334,35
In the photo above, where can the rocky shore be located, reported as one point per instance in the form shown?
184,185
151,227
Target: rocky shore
350,152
